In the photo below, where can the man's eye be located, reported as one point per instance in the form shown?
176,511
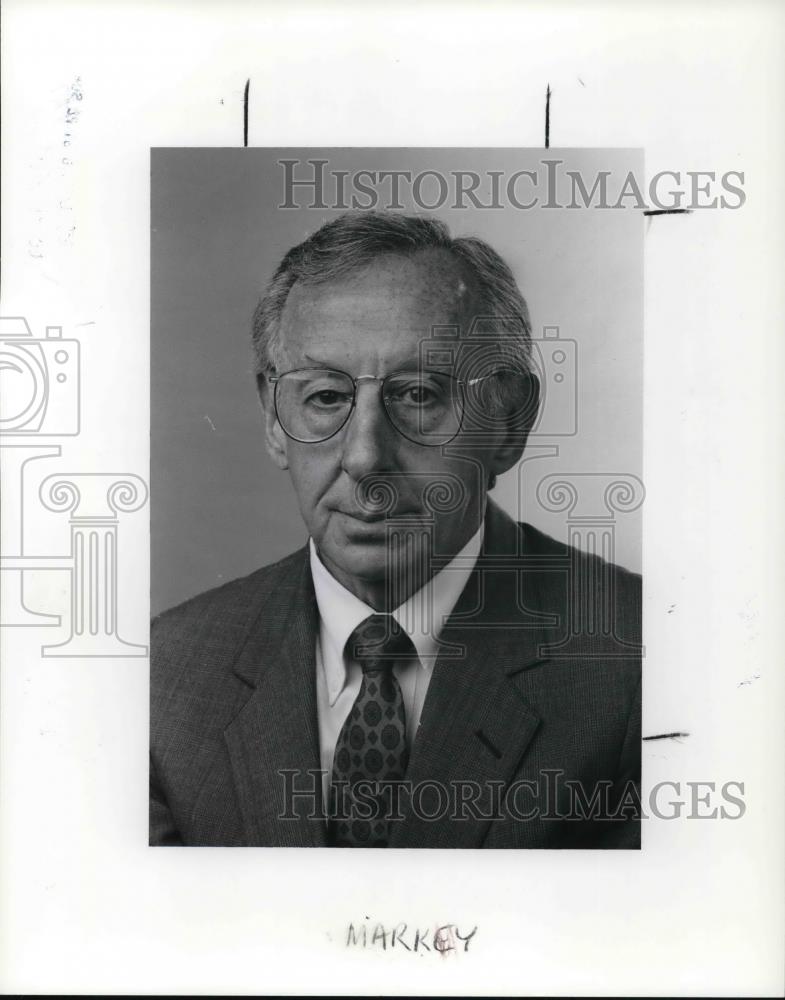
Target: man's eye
327,397
416,395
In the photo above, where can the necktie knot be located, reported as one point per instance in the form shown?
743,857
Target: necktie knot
378,643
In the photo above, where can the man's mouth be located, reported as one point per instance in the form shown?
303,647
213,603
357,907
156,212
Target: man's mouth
371,517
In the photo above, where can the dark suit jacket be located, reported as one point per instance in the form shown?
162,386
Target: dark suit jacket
542,699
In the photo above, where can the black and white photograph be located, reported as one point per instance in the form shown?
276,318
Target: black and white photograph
399,376
391,415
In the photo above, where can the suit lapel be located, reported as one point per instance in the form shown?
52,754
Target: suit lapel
476,725
276,731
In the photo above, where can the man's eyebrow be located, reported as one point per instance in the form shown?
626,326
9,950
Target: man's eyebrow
408,364
318,361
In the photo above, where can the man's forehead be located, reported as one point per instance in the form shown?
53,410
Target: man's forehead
431,286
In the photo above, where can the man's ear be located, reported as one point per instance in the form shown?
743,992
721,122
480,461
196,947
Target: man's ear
274,438
515,433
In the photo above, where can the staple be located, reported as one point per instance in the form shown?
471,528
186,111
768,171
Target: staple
245,111
548,117
665,736
668,211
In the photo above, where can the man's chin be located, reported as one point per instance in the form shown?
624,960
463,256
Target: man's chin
361,560
368,556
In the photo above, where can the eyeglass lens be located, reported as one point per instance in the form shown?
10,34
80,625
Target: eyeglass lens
314,404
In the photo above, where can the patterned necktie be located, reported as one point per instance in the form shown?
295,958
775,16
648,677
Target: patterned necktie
371,746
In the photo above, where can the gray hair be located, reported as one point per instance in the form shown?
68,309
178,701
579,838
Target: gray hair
350,242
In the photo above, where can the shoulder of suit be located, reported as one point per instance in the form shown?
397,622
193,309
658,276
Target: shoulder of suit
233,603
590,583
194,645
537,542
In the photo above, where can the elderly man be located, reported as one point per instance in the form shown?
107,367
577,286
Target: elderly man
425,672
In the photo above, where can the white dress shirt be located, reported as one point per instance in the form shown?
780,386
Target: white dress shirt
338,680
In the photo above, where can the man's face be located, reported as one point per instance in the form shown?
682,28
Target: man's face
372,322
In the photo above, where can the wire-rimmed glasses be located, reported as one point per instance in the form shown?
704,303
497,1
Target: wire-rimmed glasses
425,407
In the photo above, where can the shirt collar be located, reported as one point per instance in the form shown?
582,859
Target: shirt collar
422,616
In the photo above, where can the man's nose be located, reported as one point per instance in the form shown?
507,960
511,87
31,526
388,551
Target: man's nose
367,444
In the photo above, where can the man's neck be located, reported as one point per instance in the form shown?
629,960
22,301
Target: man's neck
382,595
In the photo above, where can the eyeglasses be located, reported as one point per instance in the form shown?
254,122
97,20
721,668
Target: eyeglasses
425,407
